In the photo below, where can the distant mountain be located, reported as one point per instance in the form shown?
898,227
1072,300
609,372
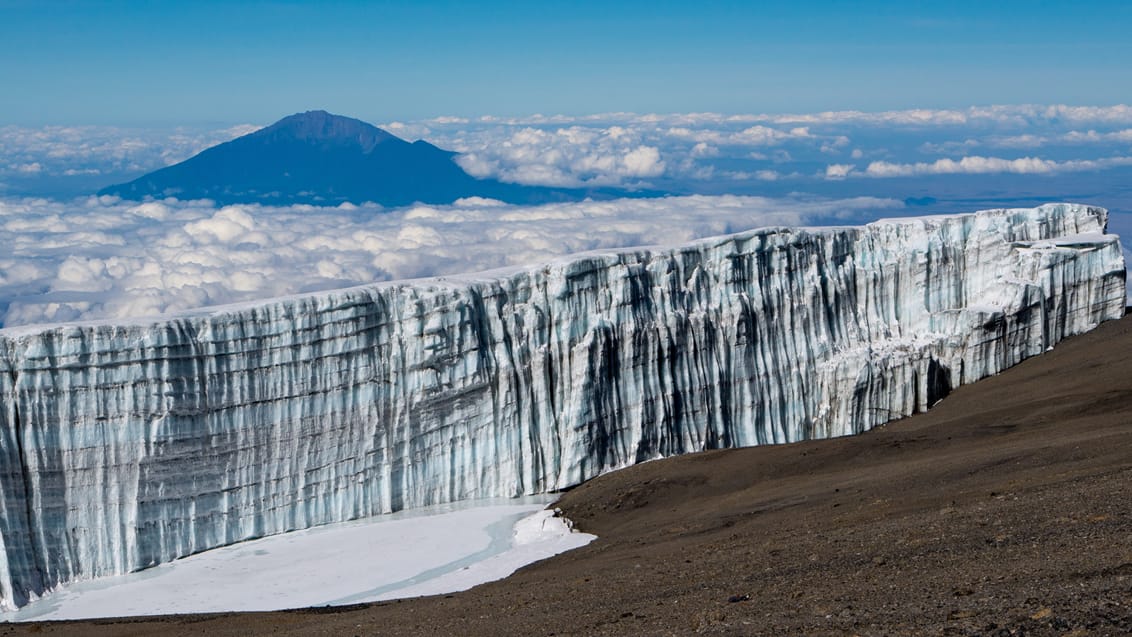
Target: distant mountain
324,159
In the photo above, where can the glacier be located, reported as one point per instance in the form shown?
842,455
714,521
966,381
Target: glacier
129,444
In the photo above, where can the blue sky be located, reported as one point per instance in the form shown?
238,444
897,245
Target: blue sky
133,63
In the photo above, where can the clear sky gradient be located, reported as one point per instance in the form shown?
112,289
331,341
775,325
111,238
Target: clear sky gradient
155,63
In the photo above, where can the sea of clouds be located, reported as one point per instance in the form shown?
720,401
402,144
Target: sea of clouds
67,257
627,149
675,152
101,257
93,154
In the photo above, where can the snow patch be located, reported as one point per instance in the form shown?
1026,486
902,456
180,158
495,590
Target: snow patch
429,551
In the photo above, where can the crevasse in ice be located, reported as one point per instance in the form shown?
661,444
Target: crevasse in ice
128,445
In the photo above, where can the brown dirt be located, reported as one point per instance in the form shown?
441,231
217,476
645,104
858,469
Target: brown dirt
1006,510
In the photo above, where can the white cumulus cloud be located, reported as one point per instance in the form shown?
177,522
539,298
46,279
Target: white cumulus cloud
572,156
106,258
975,165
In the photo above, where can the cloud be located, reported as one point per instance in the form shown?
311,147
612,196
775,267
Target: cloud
1027,140
32,168
1070,138
975,165
917,117
750,136
838,171
573,156
618,149
643,161
566,150
71,151
675,152
1021,114
105,258
1119,113
911,117
1122,136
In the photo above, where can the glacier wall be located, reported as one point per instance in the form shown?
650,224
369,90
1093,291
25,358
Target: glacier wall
128,445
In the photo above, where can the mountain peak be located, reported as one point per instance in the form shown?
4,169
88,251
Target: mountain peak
324,127
325,159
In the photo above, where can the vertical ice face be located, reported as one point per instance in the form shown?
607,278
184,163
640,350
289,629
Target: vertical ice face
128,445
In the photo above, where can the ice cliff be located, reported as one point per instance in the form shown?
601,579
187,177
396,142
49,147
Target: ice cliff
128,445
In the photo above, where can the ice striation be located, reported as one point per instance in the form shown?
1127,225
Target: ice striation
128,445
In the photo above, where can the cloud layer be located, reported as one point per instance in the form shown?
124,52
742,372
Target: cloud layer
105,258
686,151
66,259
681,152
91,152
976,165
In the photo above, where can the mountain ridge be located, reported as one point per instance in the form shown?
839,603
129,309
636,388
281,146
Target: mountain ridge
320,158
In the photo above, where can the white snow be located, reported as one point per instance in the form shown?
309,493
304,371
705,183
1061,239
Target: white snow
435,550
